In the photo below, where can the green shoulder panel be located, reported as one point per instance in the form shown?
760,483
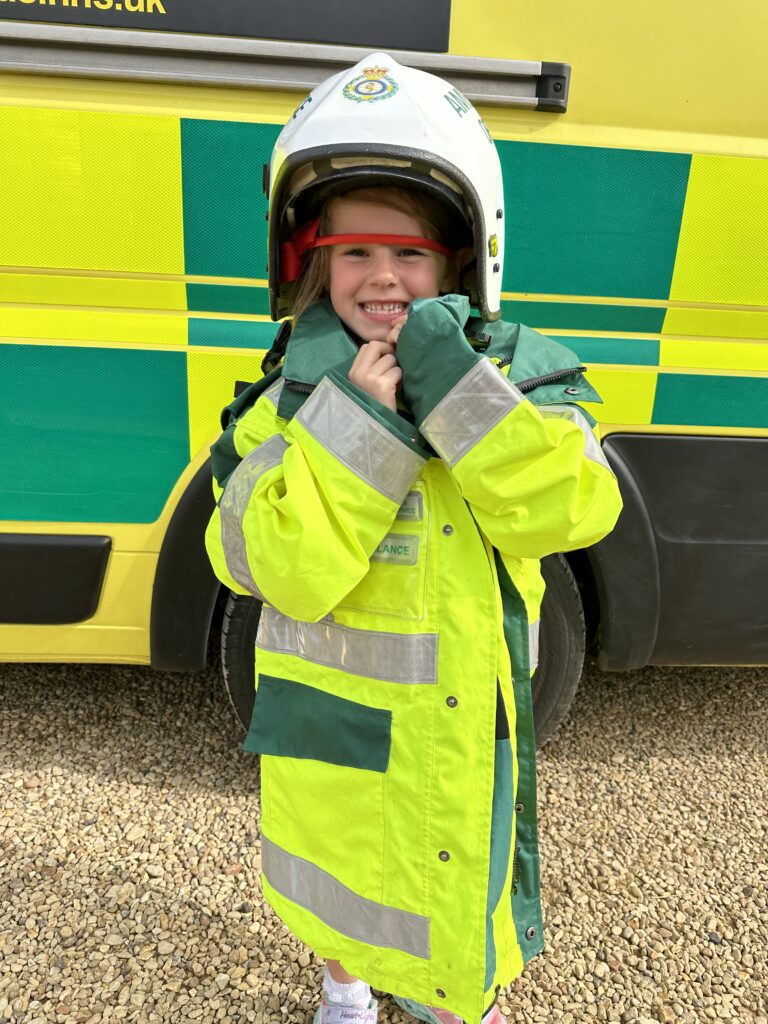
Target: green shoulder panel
526,355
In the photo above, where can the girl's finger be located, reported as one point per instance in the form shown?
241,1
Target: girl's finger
364,359
370,352
386,362
397,326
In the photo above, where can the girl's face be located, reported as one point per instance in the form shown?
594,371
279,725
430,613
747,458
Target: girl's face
372,284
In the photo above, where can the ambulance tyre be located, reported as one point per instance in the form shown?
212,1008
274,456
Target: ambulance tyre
561,648
238,636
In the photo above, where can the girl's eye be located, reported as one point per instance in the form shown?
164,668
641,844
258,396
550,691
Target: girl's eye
355,252
412,252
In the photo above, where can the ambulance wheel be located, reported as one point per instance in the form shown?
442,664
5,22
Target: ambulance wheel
238,637
562,644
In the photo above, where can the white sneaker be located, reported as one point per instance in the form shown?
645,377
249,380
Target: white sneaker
336,1013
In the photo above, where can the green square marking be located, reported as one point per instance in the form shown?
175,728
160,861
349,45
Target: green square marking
225,230
712,401
91,434
585,220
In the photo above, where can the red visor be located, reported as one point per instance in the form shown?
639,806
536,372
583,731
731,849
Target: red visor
306,238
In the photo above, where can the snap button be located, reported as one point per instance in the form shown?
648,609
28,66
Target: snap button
447,529
572,391
451,702
530,933
444,855
519,808
439,992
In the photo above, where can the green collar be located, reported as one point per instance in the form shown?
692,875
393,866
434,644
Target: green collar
318,343
531,355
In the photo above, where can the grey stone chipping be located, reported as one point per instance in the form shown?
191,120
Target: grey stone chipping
129,855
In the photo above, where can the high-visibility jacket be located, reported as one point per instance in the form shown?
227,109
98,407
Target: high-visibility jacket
398,563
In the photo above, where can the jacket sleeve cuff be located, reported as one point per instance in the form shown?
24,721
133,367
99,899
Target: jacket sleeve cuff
476,403
433,352
392,421
358,440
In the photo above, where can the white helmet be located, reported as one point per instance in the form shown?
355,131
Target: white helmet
382,123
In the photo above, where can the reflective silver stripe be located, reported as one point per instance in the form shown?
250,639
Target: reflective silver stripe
303,882
274,390
391,657
359,442
473,406
592,449
533,645
234,503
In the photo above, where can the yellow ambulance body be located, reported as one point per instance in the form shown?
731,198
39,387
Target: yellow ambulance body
133,295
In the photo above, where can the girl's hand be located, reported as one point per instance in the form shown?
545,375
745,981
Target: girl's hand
397,326
376,372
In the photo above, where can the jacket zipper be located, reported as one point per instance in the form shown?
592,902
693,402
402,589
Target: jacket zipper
296,385
515,870
547,378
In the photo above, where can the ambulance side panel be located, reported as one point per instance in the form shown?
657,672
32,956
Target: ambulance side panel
133,298
681,579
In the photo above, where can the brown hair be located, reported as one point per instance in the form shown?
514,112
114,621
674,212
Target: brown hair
429,213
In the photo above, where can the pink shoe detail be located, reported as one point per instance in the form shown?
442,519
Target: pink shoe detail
446,1016
494,1016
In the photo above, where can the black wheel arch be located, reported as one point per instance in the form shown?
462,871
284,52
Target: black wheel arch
625,565
185,590
681,579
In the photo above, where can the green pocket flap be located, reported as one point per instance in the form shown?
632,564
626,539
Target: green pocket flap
295,720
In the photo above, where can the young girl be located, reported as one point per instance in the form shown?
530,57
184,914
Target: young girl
387,491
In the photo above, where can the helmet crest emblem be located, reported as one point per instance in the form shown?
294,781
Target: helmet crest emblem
373,84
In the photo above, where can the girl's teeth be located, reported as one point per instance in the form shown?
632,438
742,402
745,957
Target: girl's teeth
398,307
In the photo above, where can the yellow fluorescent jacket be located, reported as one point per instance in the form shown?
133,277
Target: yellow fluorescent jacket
399,569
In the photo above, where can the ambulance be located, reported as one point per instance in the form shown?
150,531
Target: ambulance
134,302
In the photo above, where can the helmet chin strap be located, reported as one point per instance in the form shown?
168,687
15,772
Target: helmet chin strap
306,239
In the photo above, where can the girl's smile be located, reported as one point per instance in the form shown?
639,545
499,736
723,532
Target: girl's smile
383,312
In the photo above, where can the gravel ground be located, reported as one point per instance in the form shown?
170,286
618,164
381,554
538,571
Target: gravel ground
129,855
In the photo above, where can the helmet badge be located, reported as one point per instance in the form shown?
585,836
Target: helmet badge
373,84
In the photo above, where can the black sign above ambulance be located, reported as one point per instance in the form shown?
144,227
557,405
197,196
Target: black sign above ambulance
396,24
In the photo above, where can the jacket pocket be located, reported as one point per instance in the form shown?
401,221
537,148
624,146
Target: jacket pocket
292,719
396,581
